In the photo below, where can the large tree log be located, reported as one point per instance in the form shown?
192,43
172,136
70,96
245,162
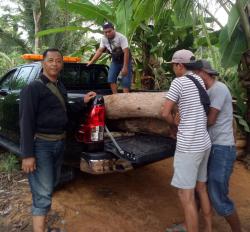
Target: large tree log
145,125
134,105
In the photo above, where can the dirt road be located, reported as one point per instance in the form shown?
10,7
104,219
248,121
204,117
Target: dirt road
138,201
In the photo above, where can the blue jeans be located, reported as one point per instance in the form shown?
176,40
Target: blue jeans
220,168
114,71
49,158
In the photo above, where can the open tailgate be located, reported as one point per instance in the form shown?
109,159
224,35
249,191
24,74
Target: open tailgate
146,148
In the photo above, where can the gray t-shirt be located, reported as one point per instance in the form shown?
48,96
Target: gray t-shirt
221,133
118,41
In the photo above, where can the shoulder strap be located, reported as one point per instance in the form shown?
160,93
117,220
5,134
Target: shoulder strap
55,91
196,82
204,98
110,44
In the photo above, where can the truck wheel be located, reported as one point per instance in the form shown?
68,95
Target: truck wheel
67,175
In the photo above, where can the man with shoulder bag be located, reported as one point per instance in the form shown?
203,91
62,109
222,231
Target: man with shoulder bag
43,115
187,91
117,46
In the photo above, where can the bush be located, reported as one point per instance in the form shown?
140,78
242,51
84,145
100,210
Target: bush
8,163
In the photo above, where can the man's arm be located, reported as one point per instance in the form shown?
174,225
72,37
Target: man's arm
167,112
124,70
173,120
234,129
27,117
96,56
80,105
212,116
88,96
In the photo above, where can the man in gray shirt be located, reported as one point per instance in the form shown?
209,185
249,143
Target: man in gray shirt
223,151
117,45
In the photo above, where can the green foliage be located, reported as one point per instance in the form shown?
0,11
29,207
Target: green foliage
48,15
229,76
232,49
89,11
10,38
231,79
183,10
201,41
162,78
232,38
8,163
63,29
9,61
234,19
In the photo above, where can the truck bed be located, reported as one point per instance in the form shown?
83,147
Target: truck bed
146,148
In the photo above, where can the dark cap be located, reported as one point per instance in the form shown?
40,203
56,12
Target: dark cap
107,25
206,66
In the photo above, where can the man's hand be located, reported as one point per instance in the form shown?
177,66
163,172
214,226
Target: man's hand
177,119
87,97
96,56
29,164
124,71
89,63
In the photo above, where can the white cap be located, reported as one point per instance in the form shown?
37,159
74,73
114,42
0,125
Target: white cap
183,57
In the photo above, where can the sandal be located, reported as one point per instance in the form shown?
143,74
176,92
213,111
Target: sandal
176,228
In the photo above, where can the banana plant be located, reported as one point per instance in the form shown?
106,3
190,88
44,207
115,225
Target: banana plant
171,22
235,36
125,14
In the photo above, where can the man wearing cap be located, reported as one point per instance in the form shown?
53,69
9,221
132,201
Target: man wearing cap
117,45
193,142
223,151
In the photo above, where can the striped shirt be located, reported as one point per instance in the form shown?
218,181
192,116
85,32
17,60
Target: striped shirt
192,135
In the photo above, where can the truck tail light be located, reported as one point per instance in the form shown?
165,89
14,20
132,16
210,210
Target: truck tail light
92,131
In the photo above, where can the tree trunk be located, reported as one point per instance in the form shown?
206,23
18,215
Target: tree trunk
134,105
37,18
147,80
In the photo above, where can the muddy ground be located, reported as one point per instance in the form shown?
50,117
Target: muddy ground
137,201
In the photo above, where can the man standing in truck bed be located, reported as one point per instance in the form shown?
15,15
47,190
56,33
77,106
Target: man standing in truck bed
43,119
117,45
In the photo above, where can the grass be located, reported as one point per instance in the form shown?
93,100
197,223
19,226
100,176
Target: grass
8,162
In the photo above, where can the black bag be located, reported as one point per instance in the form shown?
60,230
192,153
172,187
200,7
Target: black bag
116,53
205,101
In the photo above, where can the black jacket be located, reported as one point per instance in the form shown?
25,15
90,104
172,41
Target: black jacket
40,111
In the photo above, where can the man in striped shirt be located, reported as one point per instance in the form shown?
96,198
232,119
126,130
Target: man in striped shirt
193,142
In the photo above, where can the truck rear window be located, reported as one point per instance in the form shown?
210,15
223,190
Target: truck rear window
74,77
77,76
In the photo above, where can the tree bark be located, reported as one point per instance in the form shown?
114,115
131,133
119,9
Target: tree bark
37,17
143,125
134,105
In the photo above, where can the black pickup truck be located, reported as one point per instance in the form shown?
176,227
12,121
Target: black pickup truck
87,146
